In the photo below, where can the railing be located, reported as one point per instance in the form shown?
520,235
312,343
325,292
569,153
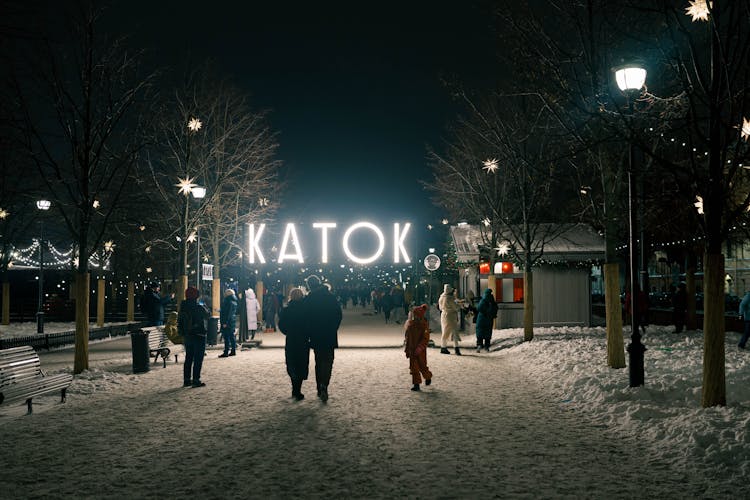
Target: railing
59,339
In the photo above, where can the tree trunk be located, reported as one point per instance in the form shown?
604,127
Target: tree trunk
131,302
6,303
182,284
528,306
492,285
216,295
714,383
81,361
613,307
259,291
101,293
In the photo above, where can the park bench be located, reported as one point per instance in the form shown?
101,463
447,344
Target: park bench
22,378
158,344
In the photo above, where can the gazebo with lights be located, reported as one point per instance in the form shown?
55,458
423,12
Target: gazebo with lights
564,278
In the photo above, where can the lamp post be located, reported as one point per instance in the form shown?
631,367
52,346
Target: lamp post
199,192
630,79
186,187
41,205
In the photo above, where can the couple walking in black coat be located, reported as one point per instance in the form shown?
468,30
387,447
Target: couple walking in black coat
310,321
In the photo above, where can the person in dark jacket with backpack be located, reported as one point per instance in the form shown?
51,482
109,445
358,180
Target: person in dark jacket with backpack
486,314
191,324
292,323
227,318
323,314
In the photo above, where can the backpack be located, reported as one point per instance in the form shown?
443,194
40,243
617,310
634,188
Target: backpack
196,323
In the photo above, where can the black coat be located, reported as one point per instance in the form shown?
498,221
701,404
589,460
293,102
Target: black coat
152,305
293,324
322,318
228,313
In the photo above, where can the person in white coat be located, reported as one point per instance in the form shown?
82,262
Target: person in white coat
449,320
253,308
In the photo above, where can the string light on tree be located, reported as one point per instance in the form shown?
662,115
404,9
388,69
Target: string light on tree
502,249
486,221
3,213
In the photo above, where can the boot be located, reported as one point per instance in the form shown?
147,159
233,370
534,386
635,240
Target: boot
444,350
232,352
415,387
223,355
323,393
458,351
297,390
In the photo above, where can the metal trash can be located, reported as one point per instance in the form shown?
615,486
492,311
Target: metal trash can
139,344
213,330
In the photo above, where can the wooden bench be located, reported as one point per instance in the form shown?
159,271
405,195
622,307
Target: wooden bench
22,378
158,344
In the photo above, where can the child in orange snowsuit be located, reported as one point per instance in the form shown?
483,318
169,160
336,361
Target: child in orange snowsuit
417,333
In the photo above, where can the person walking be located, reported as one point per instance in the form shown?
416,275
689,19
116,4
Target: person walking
679,307
152,304
292,323
448,320
323,314
641,307
386,305
191,324
227,316
745,313
252,308
270,308
486,314
417,338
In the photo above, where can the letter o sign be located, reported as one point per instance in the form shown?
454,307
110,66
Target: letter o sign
374,229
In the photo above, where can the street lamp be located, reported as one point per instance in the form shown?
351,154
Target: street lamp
630,79
186,187
199,192
44,206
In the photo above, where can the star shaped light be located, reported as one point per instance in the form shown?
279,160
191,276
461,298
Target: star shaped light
95,204
698,10
444,221
3,213
490,165
192,237
745,131
486,221
194,124
699,205
186,185
503,249
109,246
148,270
263,202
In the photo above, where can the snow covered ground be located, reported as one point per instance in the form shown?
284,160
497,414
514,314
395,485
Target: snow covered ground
545,418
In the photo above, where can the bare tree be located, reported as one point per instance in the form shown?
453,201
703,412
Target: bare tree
502,162
231,155
83,106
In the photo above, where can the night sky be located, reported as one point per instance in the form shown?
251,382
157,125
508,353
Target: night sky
354,88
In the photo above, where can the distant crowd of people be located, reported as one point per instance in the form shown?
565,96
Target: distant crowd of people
310,320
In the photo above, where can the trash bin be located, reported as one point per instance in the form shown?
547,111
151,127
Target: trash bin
213,330
139,344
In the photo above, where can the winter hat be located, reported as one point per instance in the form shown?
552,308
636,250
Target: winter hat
228,292
313,282
487,292
420,311
447,288
192,293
